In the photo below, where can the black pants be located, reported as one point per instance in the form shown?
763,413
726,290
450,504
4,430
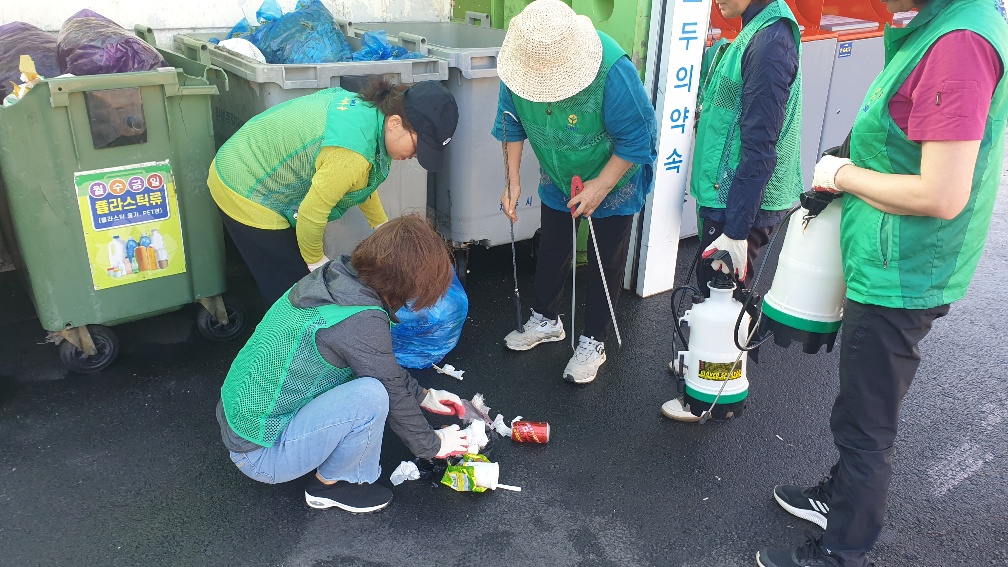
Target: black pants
553,267
878,360
272,256
709,232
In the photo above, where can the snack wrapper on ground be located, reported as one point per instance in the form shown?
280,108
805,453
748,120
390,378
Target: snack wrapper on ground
461,477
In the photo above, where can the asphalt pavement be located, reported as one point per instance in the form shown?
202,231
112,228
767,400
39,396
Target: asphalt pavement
126,467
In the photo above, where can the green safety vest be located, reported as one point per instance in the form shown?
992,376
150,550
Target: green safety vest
569,136
280,370
719,140
271,159
918,262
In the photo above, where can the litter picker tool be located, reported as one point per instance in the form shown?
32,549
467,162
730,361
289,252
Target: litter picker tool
514,258
577,186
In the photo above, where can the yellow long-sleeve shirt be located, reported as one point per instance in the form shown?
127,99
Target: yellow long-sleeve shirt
338,171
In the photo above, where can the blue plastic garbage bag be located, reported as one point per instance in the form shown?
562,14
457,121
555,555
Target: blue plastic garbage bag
306,35
424,337
376,47
269,11
17,39
242,29
91,44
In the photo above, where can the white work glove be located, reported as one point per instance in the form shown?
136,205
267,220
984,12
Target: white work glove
443,403
319,264
453,442
824,177
737,249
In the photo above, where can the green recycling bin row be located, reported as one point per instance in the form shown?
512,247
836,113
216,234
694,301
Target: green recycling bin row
105,204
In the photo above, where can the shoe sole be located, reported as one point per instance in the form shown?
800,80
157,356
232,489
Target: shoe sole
807,515
537,343
760,562
323,503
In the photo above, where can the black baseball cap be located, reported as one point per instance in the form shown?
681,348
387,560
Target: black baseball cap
432,112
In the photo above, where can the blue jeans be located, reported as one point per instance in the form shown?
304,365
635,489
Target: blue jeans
339,433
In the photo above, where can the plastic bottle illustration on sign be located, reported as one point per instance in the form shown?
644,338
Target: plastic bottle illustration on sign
117,256
157,242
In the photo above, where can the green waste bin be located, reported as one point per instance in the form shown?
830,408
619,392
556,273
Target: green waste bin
107,207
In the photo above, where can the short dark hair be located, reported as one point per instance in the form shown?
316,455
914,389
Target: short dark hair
405,261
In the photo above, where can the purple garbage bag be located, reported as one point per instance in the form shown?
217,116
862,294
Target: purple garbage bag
17,39
91,44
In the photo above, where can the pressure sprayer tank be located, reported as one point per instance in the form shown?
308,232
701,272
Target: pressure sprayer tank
805,301
709,366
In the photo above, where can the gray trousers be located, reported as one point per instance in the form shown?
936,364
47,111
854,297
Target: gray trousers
878,361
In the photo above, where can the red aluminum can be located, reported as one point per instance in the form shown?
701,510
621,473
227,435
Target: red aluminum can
530,431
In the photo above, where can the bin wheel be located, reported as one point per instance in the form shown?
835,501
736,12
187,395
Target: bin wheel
462,264
212,330
105,341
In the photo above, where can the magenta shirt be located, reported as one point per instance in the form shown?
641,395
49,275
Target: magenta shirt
948,95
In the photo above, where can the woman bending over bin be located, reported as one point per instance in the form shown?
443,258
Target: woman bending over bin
311,391
303,163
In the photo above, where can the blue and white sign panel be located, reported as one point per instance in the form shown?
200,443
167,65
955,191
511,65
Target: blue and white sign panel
684,41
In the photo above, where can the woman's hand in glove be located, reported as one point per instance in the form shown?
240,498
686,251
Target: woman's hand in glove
737,249
824,177
443,403
453,442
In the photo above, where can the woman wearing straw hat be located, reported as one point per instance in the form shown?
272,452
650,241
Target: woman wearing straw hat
576,96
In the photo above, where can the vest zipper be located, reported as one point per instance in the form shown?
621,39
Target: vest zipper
885,239
549,108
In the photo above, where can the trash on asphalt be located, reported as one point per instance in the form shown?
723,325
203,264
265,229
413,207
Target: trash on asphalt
449,370
407,470
530,431
475,473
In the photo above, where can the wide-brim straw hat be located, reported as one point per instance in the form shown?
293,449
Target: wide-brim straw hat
549,53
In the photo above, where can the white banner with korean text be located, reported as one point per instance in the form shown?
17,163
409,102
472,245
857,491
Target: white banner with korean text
684,39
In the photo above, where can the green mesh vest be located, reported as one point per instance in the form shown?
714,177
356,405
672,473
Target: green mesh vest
280,370
719,140
916,262
569,136
271,159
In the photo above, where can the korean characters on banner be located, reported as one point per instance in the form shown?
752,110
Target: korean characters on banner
131,223
687,41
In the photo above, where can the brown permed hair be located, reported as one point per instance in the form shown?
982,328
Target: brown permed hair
405,261
387,97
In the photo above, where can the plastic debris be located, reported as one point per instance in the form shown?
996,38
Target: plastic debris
91,44
424,337
449,370
29,78
476,434
407,470
243,47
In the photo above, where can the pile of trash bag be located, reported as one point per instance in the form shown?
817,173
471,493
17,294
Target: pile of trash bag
308,35
91,44
424,337
17,39
376,47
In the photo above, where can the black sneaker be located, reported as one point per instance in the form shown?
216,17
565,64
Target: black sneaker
808,503
349,496
811,554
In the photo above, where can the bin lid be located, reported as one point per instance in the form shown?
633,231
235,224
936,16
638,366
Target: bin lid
844,24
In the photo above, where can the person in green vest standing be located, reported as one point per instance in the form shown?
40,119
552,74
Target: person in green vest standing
304,162
577,97
918,193
312,389
747,163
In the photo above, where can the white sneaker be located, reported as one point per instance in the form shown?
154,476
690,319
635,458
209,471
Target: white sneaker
587,359
538,329
673,409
